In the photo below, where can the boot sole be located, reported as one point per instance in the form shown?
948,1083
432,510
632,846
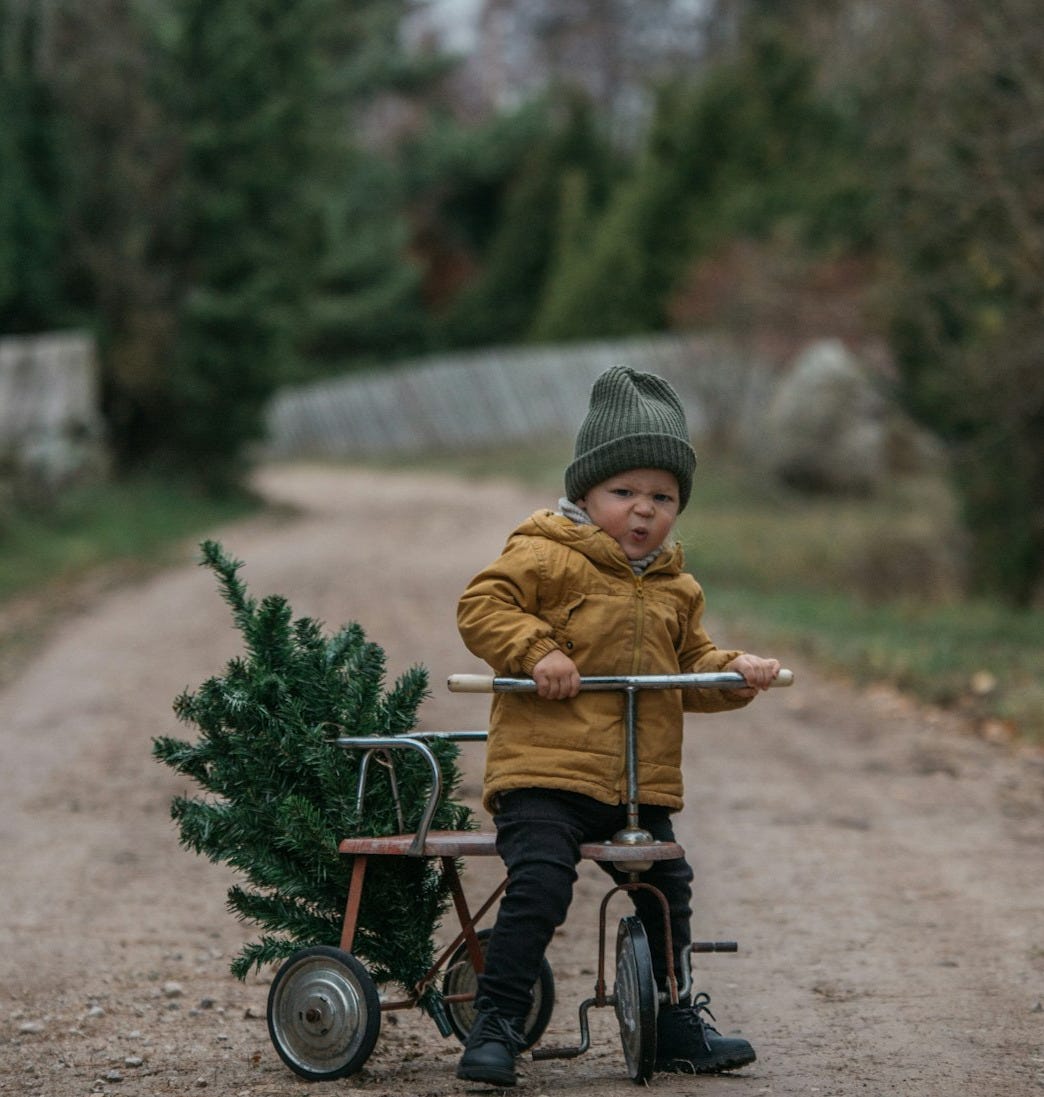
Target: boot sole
490,1077
687,1066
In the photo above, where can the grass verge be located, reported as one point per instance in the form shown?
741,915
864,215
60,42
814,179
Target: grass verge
869,587
134,521
55,560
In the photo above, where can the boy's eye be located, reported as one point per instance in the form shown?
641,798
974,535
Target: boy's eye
622,492
662,497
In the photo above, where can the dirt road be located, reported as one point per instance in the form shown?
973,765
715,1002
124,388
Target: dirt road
881,869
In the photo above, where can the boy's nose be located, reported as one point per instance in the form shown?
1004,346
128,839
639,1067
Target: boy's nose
645,506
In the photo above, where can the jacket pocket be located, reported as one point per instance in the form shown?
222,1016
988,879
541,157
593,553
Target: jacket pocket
564,621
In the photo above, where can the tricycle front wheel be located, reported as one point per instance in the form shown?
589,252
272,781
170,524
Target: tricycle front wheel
324,1014
635,999
460,978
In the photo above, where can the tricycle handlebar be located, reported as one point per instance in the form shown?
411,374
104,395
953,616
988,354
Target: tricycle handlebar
726,679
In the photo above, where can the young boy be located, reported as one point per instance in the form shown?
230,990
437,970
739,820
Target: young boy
597,589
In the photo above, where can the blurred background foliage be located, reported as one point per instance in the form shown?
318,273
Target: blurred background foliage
233,195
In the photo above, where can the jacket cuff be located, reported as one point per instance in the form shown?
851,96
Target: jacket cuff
544,646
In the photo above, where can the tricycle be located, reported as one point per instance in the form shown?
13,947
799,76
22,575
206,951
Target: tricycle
324,1010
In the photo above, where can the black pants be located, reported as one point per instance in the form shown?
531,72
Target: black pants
539,833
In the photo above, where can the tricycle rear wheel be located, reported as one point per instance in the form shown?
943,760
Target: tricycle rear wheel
324,1014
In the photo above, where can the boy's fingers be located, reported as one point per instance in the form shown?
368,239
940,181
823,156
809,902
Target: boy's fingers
548,688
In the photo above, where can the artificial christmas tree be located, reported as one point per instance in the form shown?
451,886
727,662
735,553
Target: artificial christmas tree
280,794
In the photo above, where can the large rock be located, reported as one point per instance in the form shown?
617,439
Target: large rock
827,426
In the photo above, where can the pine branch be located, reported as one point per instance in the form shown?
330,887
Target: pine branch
267,950
293,917
232,589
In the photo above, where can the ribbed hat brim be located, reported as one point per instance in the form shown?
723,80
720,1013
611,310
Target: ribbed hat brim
631,451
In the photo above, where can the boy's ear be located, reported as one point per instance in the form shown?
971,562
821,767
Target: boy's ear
581,502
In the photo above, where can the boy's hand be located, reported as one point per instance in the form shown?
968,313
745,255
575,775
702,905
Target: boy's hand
758,672
556,677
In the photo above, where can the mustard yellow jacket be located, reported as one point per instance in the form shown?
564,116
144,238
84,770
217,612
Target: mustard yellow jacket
562,585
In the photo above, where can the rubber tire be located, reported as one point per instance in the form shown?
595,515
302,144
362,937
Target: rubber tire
324,1014
635,999
460,979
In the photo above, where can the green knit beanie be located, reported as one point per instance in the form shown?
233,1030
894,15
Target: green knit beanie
635,420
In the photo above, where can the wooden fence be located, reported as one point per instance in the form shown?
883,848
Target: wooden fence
476,400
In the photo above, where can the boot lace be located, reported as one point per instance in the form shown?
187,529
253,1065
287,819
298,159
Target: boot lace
701,1004
493,1025
693,1016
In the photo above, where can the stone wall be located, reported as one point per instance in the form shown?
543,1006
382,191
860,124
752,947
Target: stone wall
51,428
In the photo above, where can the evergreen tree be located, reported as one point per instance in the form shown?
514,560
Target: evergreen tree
229,231
122,165
279,795
617,284
558,181
958,158
242,85
33,163
367,302
748,147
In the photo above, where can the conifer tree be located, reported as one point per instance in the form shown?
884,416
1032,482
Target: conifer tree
241,84
563,170
279,795
33,165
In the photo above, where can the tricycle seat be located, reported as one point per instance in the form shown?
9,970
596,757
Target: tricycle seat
478,843
625,851
437,843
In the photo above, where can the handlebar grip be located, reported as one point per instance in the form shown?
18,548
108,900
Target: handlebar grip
784,678
470,683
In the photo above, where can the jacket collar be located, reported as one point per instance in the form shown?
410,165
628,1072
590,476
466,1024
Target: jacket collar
594,543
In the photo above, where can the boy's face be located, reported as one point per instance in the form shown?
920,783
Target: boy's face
637,508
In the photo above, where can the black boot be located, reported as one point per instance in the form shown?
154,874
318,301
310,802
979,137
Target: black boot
491,1047
687,1044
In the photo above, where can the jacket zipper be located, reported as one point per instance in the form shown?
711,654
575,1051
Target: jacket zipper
639,635
639,631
